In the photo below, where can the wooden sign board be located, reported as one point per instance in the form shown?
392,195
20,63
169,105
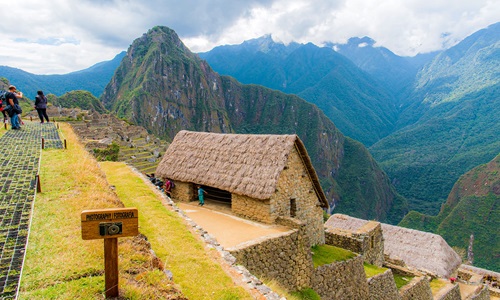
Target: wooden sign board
110,223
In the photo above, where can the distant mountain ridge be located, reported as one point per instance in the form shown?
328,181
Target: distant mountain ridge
92,79
359,105
166,88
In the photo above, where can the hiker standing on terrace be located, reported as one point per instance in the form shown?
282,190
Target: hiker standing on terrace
12,99
41,106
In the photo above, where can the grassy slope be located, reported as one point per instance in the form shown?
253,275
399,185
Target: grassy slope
60,265
197,274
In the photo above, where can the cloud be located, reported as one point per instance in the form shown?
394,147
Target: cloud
60,36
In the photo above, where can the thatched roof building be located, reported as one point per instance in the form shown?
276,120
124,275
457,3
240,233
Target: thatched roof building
420,250
261,172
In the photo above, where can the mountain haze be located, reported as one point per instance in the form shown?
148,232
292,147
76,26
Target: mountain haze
164,87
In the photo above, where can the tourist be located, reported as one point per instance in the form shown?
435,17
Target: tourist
168,187
201,195
12,100
41,106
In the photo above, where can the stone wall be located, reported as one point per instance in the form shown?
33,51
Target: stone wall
452,292
417,289
183,192
482,293
285,258
367,241
383,287
295,197
341,280
250,208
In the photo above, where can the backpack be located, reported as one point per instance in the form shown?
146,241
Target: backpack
2,97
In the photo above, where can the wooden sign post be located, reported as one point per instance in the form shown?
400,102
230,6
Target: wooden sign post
110,224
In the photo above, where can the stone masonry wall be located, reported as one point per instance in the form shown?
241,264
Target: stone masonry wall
482,293
183,192
451,293
417,289
295,197
383,287
285,258
367,241
253,209
341,280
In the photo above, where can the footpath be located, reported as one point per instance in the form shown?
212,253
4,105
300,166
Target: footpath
19,163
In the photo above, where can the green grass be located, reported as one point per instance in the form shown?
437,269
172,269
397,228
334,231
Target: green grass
401,280
326,254
306,294
193,268
372,270
437,284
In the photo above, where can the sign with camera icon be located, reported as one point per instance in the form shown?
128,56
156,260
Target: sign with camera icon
109,223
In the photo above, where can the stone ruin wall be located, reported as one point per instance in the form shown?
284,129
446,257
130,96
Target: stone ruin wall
453,293
341,280
481,293
294,183
286,259
368,241
183,192
383,286
418,289
251,208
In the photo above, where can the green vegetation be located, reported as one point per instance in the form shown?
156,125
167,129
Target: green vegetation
437,284
306,294
79,99
326,254
473,207
401,280
110,153
372,270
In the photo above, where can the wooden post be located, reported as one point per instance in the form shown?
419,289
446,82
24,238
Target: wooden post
31,118
43,143
111,267
110,224
38,185
65,146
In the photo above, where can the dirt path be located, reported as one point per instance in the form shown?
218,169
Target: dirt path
229,230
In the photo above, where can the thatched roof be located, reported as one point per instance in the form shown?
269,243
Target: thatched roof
420,250
245,164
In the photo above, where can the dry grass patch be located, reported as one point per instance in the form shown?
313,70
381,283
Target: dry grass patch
194,270
59,264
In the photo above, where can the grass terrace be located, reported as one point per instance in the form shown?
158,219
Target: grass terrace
60,265
326,254
401,280
372,270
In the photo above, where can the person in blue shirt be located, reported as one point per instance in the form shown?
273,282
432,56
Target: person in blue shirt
201,195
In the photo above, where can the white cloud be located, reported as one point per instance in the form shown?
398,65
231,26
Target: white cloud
60,36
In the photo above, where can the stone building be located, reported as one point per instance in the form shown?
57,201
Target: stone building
266,178
417,250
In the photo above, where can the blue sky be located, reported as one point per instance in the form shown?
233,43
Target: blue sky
61,36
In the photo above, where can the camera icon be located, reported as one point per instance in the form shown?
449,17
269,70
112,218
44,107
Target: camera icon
110,228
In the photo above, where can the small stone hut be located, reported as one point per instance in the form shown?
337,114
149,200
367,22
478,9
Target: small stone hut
419,250
265,178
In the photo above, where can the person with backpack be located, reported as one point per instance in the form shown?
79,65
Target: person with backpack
2,103
41,106
13,107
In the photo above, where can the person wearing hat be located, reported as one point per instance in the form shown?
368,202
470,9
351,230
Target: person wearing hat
12,99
